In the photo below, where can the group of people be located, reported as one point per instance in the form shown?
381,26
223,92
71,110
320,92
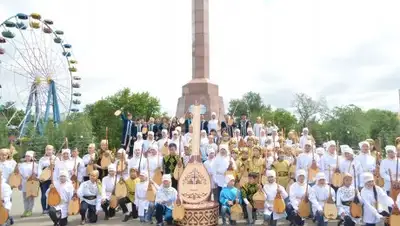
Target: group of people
240,164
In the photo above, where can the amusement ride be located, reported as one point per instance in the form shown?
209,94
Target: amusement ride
38,74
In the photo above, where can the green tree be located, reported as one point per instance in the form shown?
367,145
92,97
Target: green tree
101,113
308,109
382,124
251,104
284,119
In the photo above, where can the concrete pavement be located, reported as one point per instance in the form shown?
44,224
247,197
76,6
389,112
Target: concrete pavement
38,219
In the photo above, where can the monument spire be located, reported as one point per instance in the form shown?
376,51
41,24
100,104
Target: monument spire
200,50
200,89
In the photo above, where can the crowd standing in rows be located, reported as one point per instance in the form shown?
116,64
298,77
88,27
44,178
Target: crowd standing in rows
244,161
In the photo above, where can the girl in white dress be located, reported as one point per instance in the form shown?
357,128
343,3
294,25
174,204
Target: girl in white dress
25,170
271,188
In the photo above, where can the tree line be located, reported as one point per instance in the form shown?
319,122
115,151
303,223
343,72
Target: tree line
347,124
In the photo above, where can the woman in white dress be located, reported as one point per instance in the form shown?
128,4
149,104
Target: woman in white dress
297,192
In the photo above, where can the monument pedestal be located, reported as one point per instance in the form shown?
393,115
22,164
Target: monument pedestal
200,214
205,93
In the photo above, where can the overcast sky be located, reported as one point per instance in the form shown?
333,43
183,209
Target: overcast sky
347,51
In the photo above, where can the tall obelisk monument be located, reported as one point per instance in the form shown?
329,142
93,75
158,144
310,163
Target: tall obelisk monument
200,88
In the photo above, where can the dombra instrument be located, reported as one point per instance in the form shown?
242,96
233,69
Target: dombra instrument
113,198
74,204
304,205
313,170
53,198
195,182
231,120
279,203
32,184
377,176
164,149
144,130
121,190
15,179
151,193
355,205
46,173
3,210
106,155
118,112
178,212
236,210
330,210
90,166
394,192
337,178
259,199
74,177
178,171
157,177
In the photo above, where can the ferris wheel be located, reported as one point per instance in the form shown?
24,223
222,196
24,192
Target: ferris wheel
38,74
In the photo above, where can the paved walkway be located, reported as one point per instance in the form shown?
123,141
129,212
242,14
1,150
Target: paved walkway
38,219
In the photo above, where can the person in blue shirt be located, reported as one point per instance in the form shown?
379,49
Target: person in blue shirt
228,197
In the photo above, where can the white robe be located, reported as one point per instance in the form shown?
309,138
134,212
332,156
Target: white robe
88,188
25,169
327,162
134,163
208,164
108,183
385,166
271,191
141,198
212,124
346,166
318,196
168,195
6,193
161,143
66,191
79,167
297,192
304,161
345,194
44,162
66,165
220,166
370,213
7,170
86,160
257,127
368,164
154,162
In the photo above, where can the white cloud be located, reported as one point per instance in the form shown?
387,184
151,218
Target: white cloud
263,46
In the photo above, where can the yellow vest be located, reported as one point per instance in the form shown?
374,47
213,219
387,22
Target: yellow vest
282,172
257,165
131,186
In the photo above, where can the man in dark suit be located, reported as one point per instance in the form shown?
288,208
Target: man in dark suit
226,127
188,122
128,131
243,125
203,124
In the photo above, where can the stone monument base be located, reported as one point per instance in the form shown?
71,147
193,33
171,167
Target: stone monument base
201,214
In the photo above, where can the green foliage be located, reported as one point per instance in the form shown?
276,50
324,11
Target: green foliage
307,109
101,113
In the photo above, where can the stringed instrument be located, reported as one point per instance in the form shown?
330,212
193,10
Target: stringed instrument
46,173
106,159
164,149
53,198
32,184
151,193
230,170
195,183
90,167
3,210
279,203
178,212
292,173
113,198
304,205
157,177
313,170
179,167
121,190
377,176
236,209
337,178
74,177
15,179
259,199
394,192
74,204
356,208
330,209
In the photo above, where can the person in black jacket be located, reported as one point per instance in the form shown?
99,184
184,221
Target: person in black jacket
243,125
188,122
226,127
203,124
